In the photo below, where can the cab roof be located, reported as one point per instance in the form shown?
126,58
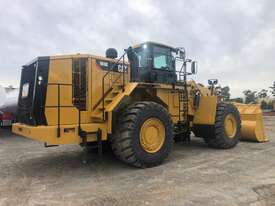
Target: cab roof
155,43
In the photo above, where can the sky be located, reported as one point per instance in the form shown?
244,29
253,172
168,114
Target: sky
233,41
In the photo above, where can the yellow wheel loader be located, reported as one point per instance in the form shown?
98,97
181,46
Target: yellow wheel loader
139,106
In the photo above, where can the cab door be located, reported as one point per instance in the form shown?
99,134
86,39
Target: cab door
163,65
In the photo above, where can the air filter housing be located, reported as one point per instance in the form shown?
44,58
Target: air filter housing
111,53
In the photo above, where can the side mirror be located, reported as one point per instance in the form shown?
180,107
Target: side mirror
212,83
194,67
181,52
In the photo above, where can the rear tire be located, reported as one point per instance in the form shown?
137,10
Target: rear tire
128,142
227,130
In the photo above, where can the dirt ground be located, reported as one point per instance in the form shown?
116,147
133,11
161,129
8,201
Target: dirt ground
192,175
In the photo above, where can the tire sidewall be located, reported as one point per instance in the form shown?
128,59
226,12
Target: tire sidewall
162,115
231,109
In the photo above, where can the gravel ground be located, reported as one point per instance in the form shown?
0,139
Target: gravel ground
192,175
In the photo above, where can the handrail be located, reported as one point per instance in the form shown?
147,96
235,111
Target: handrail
107,73
114,65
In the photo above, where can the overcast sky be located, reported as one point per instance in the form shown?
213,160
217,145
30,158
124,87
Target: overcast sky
233,41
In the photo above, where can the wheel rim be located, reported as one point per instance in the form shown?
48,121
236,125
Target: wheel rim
230,126
152,135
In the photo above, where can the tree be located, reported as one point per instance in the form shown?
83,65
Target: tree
223,92
250,96
273,89
264,105
270,105
262,94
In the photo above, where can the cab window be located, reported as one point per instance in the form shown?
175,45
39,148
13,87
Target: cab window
162,58
142,57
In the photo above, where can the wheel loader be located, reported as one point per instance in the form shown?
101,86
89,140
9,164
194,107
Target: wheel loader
139,103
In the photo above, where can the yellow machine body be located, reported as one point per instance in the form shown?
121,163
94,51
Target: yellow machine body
60,72
104,95
92,118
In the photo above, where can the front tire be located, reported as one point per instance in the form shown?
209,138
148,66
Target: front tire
227,129
144,135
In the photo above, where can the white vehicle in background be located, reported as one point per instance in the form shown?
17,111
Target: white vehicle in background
6,119
8,105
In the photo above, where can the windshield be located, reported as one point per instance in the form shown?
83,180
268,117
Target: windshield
161,57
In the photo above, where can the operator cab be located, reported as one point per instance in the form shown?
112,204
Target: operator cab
152,63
